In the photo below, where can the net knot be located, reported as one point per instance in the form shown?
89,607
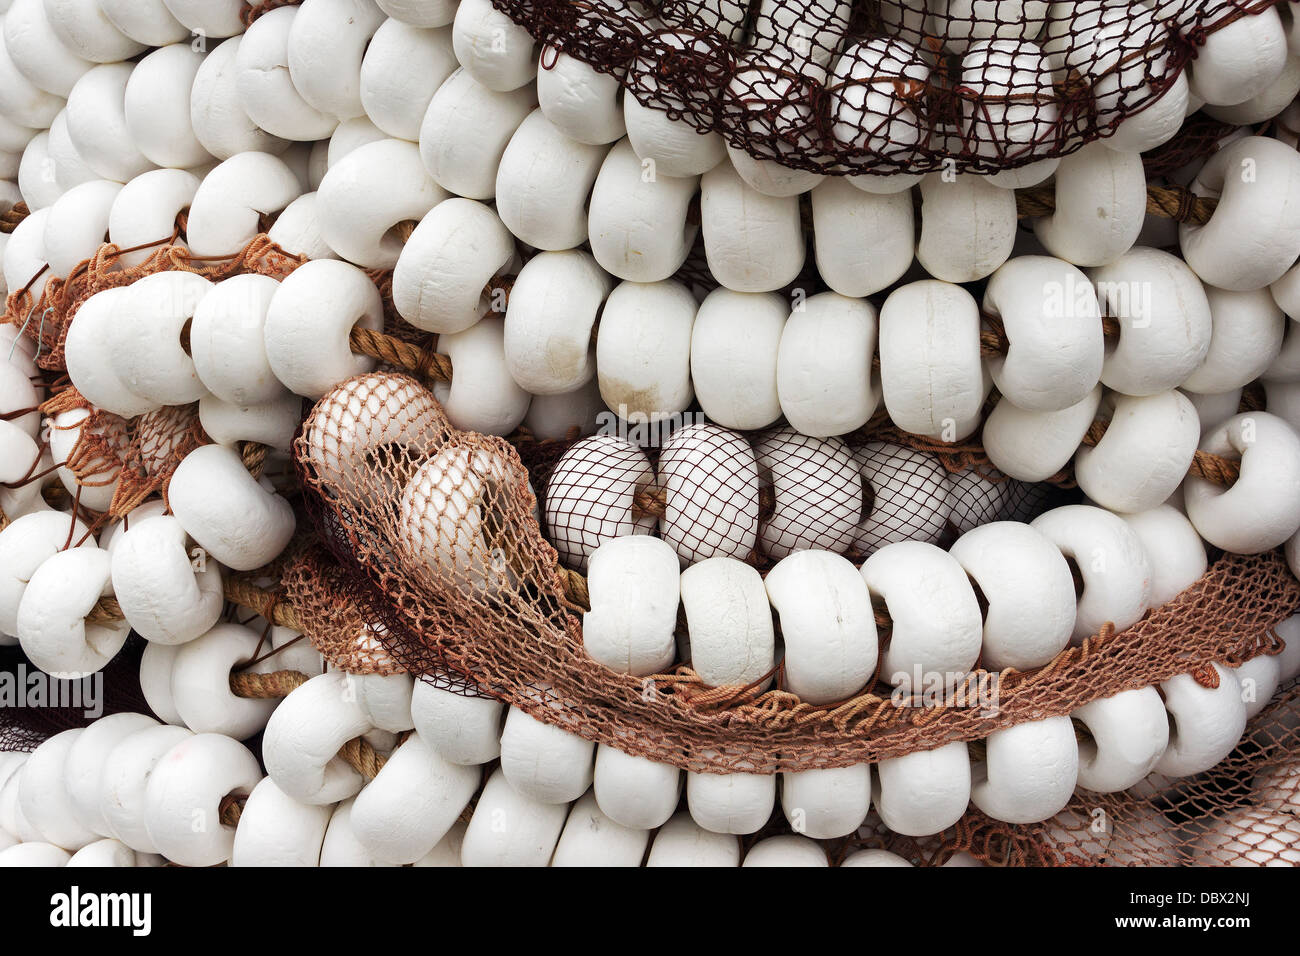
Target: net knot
1195,38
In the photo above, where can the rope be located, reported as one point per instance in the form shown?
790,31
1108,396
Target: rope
277,684
361,757
1169,202
105,611
231,809
403,355
253,454
267,603
11,217
649,502
1213,468
575,588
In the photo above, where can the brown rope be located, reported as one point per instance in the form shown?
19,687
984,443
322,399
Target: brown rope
253,454
237,590
1252,398
575,588
1169,202
243,592
649,502
363,758
1213,468
231,809
105,611
271,686
11,217
399,354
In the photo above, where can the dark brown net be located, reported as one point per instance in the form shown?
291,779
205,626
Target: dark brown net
886,86
42,706
759,497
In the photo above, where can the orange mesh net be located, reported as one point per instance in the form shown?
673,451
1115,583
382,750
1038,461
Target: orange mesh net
46,319
432,560
139,454
433,531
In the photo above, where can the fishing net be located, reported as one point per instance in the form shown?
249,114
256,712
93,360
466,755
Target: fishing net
45,318
759,497
1245,811
889,86
433,558
36,706
433,530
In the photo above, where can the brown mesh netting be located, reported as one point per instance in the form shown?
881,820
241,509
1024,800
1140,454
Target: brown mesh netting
45,319
37,706
136,455
433,537
884,86
1242,812
435,563
759,497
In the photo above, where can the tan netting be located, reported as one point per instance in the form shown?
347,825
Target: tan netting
884,86
434,563
158,443
46,319
140,453
433,536
1243,812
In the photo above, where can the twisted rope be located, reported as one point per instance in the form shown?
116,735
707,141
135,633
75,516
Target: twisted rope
11,217
1213,468
1169,202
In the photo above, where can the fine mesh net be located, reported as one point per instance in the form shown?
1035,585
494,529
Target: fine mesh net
36,709
46,318
759,497
432,532
887,86
434,562
137,456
